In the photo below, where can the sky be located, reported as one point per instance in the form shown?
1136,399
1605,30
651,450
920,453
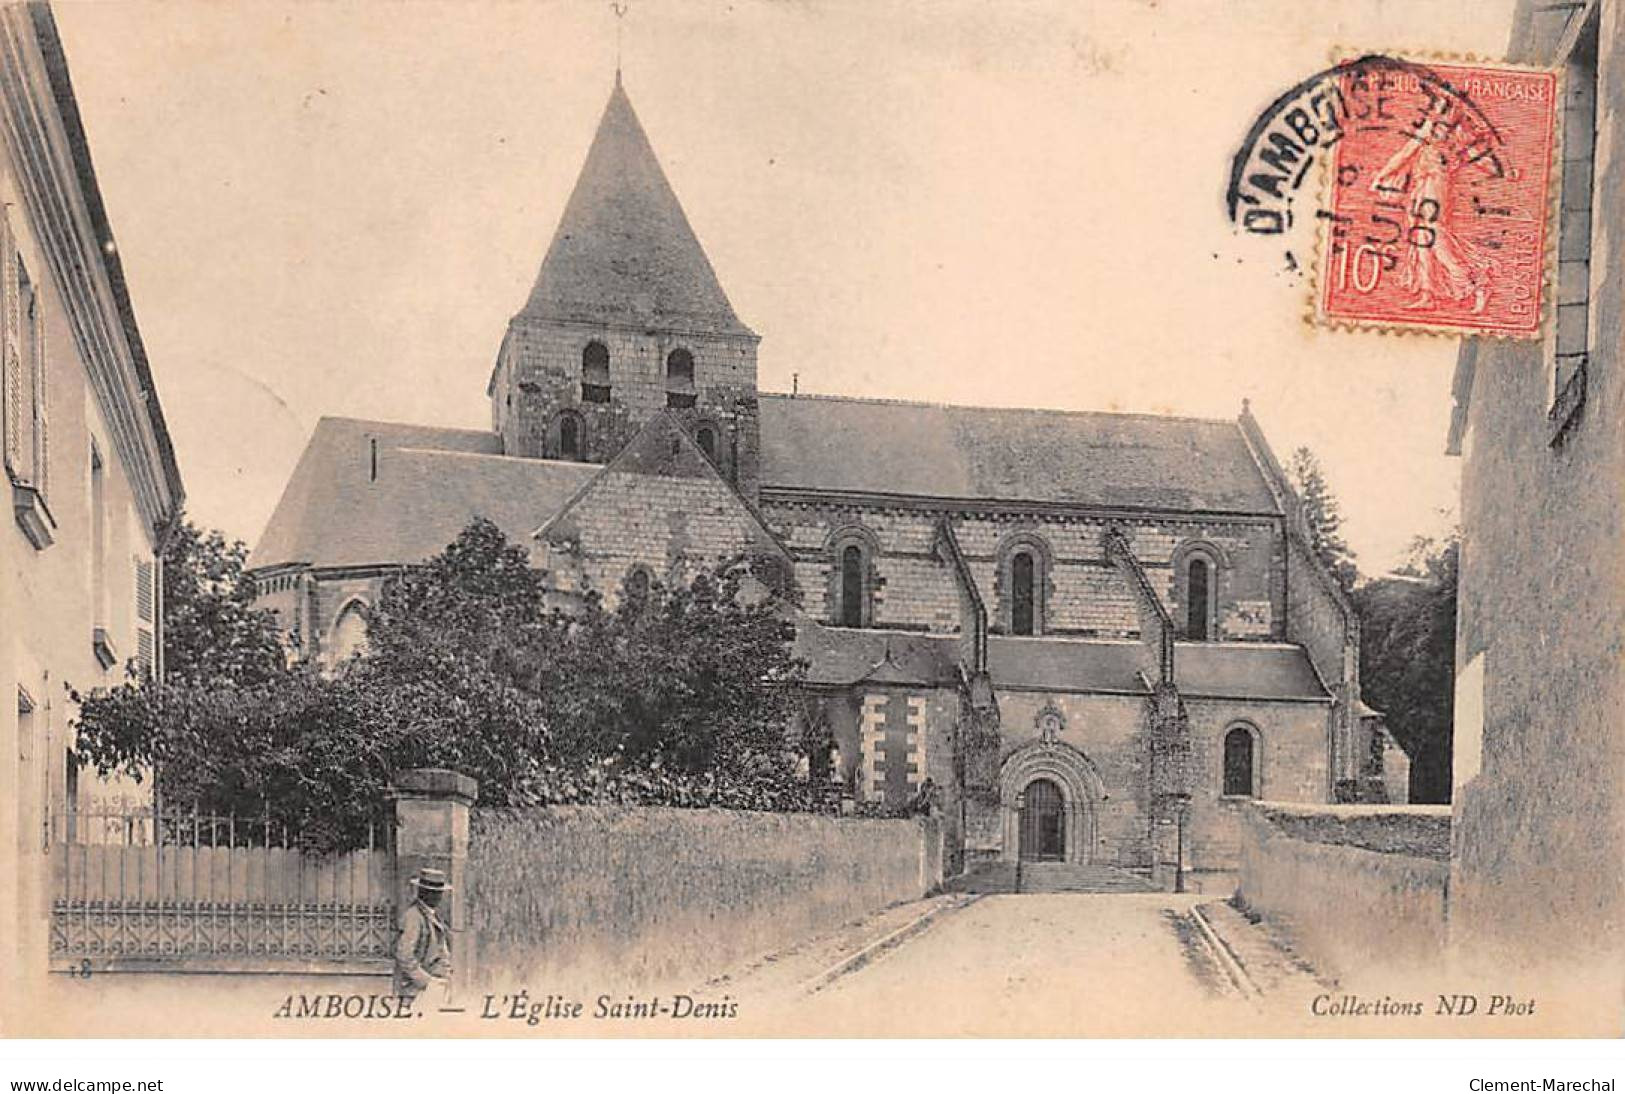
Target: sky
335,208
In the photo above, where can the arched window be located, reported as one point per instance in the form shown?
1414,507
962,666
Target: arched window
569,438
1020,586
707,437
852,592
1198,575
638,583
1023,601
350,632
595,373
680,378
853,581
1240,770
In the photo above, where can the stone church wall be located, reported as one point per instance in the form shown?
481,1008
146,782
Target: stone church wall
1109,730
1083,594
674,526
308,605
1291,757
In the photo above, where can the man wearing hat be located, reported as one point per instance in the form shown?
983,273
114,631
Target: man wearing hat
423,954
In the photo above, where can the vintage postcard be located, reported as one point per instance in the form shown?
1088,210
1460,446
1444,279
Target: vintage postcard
732,520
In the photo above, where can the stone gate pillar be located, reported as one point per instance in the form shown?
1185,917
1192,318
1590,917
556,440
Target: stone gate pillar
431,829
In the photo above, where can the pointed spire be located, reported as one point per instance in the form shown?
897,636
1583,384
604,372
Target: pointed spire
624,249
619,9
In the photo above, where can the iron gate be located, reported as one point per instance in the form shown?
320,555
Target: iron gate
166,886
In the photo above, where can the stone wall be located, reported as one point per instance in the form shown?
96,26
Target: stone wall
615,899
1356,888
1082,593
672,526
1539,759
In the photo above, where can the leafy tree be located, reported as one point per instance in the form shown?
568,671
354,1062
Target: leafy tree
696,678
448,662
1407,656
1323,515
212,631
677,697
225,674
297,750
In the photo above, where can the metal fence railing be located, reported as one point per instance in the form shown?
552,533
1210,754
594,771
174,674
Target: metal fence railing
170,885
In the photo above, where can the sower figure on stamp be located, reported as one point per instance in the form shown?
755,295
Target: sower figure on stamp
1438,259
423,952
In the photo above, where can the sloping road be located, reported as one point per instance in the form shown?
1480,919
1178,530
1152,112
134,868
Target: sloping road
1035,965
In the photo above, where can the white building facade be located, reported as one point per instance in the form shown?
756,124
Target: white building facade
91,478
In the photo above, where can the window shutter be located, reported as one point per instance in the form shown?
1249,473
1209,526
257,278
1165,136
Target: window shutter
143,590
144,573
143,649
42,408
13,377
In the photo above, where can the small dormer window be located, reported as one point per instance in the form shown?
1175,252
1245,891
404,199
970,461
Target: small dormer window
707,439
595,373
680,378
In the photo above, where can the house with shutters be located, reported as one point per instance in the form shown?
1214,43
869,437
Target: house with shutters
1093,634
91,480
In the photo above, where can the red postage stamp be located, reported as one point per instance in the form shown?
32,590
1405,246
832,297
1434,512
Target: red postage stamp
1437,197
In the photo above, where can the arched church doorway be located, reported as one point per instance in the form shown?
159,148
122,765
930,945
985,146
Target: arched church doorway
1043,816
1048,793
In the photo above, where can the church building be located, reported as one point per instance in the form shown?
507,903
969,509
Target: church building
1095,634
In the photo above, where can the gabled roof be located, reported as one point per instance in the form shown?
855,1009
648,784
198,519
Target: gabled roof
661,449
624,250
873,446
430,484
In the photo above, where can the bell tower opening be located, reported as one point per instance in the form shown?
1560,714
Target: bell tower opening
626,319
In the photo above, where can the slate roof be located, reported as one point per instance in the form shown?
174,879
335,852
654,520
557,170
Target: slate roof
431,483
1099,665
624,250
827,443
1246,670
839,657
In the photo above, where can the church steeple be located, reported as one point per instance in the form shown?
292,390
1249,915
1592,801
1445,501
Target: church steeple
626,318
624,250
